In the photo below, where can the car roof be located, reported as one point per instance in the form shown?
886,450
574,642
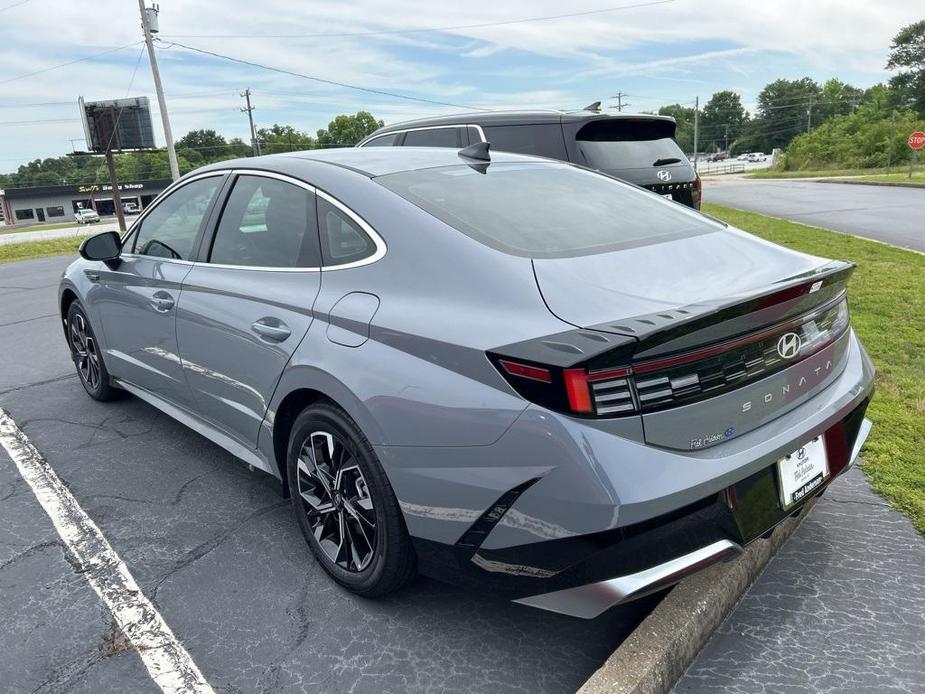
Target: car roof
369,161
514,117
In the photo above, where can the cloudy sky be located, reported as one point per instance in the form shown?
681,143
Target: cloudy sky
657,51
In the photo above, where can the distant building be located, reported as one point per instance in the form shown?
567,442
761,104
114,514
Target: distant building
59,203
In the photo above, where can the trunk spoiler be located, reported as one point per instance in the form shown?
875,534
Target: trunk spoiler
694,325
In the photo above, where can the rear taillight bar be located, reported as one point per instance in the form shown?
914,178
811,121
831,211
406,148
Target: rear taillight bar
669,381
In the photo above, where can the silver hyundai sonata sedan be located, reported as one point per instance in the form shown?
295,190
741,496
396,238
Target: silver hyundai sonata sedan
507,372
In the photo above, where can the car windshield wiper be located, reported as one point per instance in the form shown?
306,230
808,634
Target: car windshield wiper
666,160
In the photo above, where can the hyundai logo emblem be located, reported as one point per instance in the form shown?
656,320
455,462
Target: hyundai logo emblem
664,175
788,346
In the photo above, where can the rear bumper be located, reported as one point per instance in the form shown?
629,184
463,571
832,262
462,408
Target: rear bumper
559,506
592,599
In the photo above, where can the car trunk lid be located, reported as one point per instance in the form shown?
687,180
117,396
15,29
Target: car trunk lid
705,315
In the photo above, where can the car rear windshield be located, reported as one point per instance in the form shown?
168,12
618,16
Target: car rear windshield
612,145
546,209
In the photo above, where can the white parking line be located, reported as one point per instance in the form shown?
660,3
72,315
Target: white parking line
169,664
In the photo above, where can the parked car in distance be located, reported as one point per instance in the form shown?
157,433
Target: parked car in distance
130,208
638,148
85,215
743,157
756,156
718,156
507,372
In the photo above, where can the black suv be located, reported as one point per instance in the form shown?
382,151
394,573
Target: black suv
638,148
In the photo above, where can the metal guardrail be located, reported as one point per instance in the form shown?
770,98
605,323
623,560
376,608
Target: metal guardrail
731,168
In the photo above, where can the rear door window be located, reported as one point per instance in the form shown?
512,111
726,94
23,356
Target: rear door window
433,137
267,223
542,140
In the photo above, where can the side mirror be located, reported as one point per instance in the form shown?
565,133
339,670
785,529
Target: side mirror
106,247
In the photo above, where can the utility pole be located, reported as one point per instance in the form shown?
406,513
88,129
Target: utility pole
114,116
809,114
150,27
726,138
889,151
696,128
620,105
249,110
116,194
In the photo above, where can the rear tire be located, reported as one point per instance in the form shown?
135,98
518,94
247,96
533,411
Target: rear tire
88,360
345,505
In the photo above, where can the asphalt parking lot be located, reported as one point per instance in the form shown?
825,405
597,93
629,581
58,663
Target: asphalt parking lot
883,213
214,548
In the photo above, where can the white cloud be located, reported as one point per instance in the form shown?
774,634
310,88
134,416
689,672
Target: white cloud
561,63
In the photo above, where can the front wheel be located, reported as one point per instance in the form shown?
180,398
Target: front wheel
86,355
345,505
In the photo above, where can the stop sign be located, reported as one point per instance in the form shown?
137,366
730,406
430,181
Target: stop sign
917,140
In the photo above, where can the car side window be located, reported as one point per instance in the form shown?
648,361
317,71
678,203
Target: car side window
383,140
433,137
342,239
474,135
267,223
541,140
170,229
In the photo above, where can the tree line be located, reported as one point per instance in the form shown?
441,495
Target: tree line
196,148
828,125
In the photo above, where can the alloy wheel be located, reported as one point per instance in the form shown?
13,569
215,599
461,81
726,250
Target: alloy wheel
336,501
86,356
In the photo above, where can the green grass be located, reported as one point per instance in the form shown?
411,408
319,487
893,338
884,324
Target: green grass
37,227
27,250
887,300
917,180
902,169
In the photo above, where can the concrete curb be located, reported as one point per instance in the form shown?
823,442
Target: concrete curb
885,184
660,649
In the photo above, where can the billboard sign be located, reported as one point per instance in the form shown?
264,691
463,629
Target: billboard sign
119,124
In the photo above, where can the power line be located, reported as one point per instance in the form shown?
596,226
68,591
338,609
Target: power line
72,62
385,32
36,122
15,4
44,103
321,80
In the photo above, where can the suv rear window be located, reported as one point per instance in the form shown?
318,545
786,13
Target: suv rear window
612,145
545,209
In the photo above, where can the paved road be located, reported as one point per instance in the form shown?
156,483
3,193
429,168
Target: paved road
893,215
214,547
839,610
47,234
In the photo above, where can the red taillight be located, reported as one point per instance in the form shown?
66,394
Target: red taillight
535,373
577,390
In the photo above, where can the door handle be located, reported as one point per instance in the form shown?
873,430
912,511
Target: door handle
271,329
162,301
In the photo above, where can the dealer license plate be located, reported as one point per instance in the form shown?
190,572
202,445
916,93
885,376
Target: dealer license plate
802,471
